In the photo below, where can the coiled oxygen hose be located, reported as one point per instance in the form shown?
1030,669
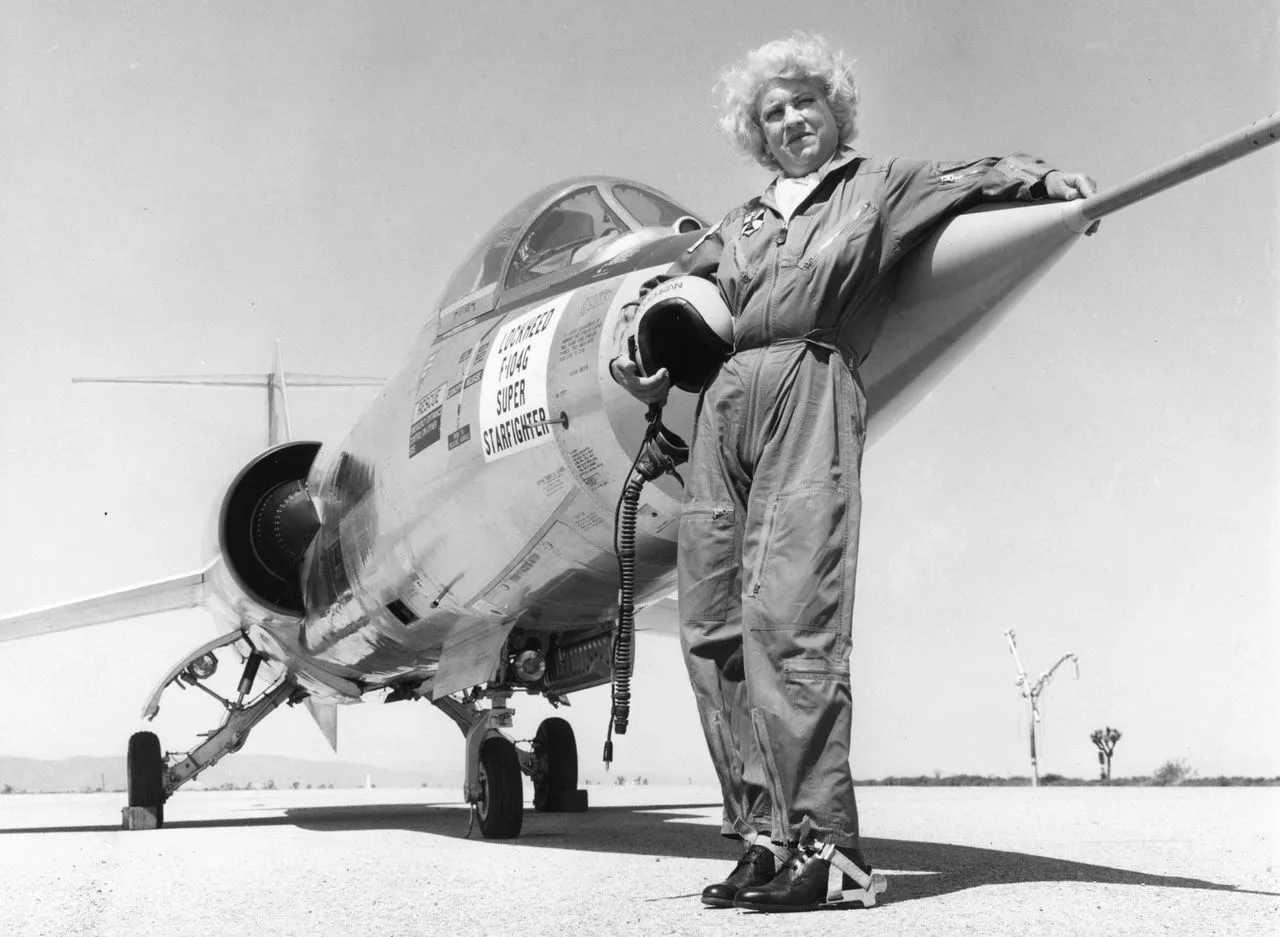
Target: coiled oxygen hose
624,636
660,452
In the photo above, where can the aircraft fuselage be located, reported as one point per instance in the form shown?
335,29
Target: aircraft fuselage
477,493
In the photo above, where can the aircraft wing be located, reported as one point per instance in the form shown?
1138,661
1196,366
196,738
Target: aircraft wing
165,595
662,617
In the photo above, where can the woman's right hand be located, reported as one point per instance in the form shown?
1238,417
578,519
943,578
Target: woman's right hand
652,389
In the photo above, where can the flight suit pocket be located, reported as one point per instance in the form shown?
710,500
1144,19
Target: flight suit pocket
815,670
798,571
708,562
844,230
841,258
816,684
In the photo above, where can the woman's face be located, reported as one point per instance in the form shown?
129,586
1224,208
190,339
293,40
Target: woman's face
799,128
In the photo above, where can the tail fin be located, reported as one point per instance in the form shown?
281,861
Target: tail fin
278,430
275,382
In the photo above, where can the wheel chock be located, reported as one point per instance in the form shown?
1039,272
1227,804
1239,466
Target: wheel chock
142,818
569,801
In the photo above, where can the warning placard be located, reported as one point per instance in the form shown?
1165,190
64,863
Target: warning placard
425,429
513,391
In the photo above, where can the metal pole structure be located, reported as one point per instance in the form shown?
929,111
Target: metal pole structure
1031,692
1242,142
1022,684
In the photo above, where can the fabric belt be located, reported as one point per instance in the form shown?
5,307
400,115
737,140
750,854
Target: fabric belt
817,338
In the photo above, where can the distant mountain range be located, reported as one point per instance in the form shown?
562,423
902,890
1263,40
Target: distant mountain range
85,773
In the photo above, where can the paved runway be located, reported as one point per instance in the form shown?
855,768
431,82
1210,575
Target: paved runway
980,861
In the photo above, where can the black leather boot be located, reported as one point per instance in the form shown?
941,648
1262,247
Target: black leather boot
756,867
808,882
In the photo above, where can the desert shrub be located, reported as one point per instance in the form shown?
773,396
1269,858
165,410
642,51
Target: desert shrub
1171,773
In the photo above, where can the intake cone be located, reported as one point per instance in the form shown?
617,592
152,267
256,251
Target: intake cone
952,289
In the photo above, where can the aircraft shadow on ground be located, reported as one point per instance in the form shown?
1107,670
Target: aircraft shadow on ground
682,831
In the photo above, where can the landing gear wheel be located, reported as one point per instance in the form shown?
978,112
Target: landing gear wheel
555,776
501,807
145,773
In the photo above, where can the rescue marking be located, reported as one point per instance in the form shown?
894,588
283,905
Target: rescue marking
428,403
513,396
424,432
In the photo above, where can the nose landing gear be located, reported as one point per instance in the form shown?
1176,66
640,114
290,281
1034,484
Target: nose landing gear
152,774
144,766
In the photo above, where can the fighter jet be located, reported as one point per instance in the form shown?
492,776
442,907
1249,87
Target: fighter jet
466,541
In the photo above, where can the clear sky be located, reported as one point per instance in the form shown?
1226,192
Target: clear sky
182,184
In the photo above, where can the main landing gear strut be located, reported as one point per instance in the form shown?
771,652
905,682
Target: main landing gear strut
152,774
493,785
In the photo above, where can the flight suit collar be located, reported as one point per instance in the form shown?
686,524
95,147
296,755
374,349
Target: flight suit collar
843,156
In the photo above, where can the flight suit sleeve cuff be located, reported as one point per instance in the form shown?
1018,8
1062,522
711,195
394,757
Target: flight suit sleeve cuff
1029,172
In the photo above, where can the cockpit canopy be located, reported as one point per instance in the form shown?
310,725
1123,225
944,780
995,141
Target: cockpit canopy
559,229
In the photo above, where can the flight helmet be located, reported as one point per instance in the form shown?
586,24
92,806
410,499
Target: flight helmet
685,326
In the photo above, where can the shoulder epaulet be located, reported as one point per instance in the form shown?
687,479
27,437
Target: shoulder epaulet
868,165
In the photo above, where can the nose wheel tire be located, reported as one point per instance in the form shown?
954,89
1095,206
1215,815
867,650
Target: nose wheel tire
500,811
555,775
145,772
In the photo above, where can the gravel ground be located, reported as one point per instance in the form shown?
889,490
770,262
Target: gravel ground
980,861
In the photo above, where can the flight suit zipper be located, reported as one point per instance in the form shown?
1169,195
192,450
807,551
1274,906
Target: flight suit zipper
808,262
778,240
766,535
949,177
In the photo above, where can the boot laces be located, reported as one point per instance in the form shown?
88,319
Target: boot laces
752,854
802,854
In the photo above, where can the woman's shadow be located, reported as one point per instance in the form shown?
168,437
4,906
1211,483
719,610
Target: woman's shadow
918,869
930,868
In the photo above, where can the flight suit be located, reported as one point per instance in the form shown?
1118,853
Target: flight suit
768,541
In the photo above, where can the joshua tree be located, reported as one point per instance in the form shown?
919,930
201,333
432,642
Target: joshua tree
1106,740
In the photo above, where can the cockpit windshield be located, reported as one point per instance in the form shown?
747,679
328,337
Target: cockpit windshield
565,233
552,236
647,208
484,263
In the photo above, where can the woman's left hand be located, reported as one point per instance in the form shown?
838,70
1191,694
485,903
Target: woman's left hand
1068,186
